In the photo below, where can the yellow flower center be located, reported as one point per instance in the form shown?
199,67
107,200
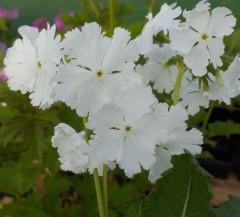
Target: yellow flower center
128,129
39,64
99,74
205,36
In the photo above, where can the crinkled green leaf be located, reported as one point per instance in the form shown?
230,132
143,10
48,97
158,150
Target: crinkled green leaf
57,183
231,208
7,113
50,160
12,128
83,186
136,208
30,130
14,99
34,140
18,177
220,128
183,191
119,195
53,204
48,118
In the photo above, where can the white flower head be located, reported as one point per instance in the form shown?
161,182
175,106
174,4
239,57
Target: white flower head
178,140
75,154
201,41
162,21
31,63
225,84
125,137
100,68
192,95
157,70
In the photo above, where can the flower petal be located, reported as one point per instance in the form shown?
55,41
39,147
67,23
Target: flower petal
162,164
198,20
197,59
182,40
221,22
216,50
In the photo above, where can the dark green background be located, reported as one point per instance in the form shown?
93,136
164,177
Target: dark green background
31,9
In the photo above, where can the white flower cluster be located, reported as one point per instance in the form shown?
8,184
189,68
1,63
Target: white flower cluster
98,77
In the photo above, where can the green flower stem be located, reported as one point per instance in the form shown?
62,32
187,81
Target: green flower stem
111,16
99,193
86,9
105,189
208,115
101,207
181,70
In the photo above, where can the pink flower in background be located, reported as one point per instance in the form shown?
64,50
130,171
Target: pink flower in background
12,14
9,14
3,76
40,23
3,12
59,23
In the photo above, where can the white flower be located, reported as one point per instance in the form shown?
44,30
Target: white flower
225,84
100,68
75,154
162,21
222,87
178,140
201,41
192,95
127,131
31,63
157,71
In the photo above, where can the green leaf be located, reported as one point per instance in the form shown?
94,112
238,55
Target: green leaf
183,191
30,206
30,129
229,208
50,160
7,113
135,208
14,210
14,98
34,140
18,177
57,183
48,118
226,128
12,128
69,116
119,195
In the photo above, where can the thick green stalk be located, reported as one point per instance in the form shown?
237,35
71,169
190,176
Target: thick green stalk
105,189
181,69
99,193
86,9
208,115
111,16
101,205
